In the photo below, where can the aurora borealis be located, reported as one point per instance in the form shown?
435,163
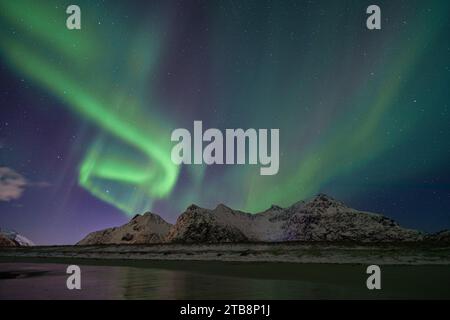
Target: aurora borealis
363,115
120,117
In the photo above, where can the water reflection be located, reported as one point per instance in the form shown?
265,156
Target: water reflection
205,280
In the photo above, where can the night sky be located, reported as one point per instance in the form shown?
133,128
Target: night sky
86,115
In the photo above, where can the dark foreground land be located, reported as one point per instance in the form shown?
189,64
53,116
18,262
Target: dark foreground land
227,271
349,253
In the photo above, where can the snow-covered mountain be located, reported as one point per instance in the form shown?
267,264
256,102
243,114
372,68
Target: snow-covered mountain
146,228
6,242
13,239
320,219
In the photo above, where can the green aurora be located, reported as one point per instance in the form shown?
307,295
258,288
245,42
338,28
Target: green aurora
343,118
146,172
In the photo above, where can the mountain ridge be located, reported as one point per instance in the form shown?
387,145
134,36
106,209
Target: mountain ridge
322,218
145,228
13,239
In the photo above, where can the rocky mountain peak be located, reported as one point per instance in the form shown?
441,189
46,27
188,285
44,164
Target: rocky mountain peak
192,207
323,202
274,207
297,206
16,238
221,207
146,218
6,242
142,228
320,219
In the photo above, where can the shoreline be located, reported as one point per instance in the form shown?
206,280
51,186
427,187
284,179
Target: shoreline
296,253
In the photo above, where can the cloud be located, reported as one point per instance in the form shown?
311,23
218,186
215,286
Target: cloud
12,184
